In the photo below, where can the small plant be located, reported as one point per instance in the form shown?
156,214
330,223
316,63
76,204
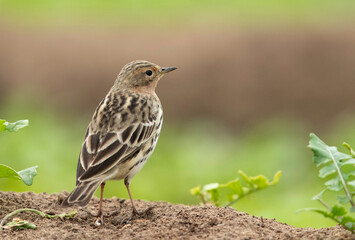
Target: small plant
232,191
18,223
339,169
12,127
25,175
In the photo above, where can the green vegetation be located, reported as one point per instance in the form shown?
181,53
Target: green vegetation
234,190
17,223
158,13
25,175
12,127
339,169
185,156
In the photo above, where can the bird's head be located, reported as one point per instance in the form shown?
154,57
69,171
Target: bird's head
141,76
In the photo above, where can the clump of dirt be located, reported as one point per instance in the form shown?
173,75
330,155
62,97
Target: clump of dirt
162,220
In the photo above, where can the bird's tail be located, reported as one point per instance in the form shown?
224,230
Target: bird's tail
82,194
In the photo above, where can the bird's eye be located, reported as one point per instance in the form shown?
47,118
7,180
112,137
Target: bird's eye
149,72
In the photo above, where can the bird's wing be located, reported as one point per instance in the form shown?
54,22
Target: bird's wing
98,157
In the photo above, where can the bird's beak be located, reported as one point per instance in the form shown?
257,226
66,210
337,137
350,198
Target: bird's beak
167,69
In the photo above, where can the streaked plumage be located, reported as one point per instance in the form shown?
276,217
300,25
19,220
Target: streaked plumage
122,134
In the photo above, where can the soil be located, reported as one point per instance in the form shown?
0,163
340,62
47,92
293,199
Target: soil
158,220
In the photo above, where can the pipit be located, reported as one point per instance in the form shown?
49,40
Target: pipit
122,134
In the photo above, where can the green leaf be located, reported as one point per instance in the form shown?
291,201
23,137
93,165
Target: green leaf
334,184
343,199
246,179
338,210
195,190
28,174
322,212
235,186
351,183
2,125
348,222
233,190
20,224
322,153
350,225
319,195
14,127
209,187
348,162
327,170
25,175
349,148
333,161
232,197
260,181
7,172
348,175
214,196
276,178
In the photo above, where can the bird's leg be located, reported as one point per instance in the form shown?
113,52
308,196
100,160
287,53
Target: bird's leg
126,182
100,217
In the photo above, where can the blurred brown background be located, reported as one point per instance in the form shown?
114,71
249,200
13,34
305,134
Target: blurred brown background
229,75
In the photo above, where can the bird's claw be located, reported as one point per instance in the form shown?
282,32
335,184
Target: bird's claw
99,221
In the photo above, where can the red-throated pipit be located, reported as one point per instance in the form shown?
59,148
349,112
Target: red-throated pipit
122,133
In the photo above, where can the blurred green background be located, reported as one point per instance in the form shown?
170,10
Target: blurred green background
254,78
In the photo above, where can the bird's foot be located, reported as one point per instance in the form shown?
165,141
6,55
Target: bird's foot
100,219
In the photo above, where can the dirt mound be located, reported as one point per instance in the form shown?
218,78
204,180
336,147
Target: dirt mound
163,220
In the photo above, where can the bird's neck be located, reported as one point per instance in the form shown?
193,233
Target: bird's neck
150,89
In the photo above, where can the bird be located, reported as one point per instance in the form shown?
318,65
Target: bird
122,134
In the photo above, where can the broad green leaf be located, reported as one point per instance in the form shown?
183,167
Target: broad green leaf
235,186
322,153
333,161
2,125
338,210
334,184
7,172
25,175
28,174
209,187
351,183
347,175
343,199
14,127
347,162
327,170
